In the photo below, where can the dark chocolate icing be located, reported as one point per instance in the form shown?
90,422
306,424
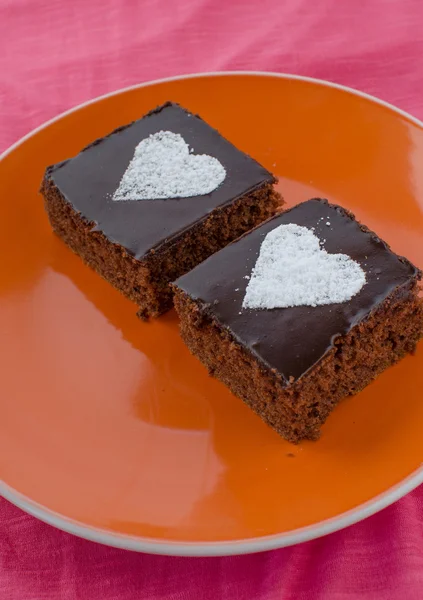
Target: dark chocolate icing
89,180
292,340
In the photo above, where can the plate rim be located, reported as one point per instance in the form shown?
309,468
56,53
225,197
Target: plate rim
216,548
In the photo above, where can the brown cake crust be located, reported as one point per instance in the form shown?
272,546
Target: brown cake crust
146,281
297,410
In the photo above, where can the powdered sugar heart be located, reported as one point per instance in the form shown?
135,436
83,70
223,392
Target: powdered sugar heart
293,270
163,167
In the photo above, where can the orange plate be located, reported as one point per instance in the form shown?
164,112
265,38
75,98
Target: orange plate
111,430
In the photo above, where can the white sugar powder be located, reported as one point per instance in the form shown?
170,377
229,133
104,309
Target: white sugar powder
293,270
163,167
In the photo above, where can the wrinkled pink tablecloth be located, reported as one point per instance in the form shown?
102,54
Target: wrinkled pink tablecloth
55,54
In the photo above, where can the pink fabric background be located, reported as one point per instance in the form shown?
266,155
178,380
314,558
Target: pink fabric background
55,54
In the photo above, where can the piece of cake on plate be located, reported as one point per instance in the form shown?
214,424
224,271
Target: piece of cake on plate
299,313
153,199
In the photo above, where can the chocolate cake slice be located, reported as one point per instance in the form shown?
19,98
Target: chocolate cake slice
154,198
304,310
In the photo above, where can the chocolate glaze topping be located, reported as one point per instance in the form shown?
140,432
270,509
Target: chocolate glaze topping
292,340
89,180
